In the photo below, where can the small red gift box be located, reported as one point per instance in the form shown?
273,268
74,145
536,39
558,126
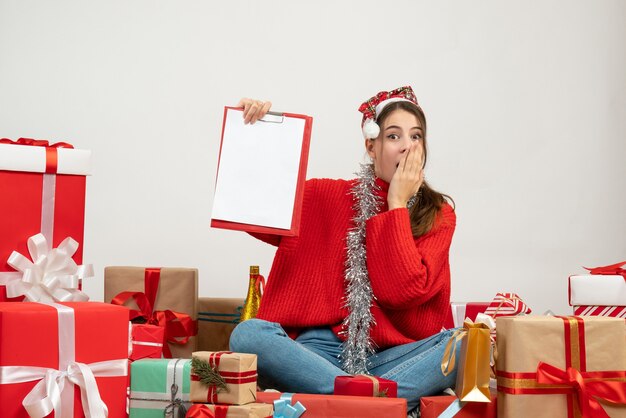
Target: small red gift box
461,310
434,406
146,341
53,355
364,385
339,406
43,191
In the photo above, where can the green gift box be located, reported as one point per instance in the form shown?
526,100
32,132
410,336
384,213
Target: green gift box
159,388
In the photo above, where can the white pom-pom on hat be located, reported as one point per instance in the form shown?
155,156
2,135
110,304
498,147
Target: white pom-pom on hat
371,129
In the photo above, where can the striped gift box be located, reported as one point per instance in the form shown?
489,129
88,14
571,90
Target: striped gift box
506,304
612,311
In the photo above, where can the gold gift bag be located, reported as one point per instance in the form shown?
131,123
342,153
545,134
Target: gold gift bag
472,379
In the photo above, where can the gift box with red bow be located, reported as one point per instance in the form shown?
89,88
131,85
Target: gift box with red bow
603,286
63,359
223,377
43,192
165,297
558,366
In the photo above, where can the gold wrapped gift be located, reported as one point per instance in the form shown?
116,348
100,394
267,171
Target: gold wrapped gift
561,367
223,377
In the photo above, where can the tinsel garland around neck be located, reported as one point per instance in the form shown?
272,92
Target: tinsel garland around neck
359,296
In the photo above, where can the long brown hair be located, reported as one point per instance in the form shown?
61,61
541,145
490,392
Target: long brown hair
424,213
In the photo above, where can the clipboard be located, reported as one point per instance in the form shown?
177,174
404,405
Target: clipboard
261,173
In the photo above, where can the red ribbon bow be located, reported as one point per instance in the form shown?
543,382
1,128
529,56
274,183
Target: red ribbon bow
203,411
612,269
36,143
586,391
179,327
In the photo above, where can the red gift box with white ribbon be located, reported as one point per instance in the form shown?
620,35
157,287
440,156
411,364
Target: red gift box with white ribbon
43,191
63,359
461,310
146,341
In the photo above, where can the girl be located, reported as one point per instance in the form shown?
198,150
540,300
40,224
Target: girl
365,286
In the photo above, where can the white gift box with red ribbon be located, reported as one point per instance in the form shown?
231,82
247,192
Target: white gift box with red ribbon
597,290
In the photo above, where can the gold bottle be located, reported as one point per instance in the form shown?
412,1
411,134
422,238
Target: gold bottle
253,299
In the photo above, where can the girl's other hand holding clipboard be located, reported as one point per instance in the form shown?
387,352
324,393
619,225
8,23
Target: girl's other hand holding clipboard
253,110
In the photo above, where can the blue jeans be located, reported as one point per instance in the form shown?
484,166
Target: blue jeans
310,363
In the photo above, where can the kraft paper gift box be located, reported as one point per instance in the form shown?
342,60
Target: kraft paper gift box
365,385
166,289
146,341
69,343
461,310
159,387
43,191
450,406
543,361
251,410
340,406
217,318
234,374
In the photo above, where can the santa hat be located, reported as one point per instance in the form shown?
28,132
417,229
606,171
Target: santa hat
371,108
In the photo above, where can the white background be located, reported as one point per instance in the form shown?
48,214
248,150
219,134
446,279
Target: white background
525,100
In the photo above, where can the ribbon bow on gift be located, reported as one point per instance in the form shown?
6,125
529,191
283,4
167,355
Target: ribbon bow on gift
51,276
45,396
35,143
179,327
203,411
284,409
176,404
586,391
612,269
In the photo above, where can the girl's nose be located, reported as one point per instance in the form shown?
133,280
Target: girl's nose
406,145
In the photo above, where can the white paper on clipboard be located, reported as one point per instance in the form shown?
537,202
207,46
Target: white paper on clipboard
258,170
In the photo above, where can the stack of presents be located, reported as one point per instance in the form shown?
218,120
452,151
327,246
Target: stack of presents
155,349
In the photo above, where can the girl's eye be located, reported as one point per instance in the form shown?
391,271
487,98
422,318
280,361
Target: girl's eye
416,137
393,137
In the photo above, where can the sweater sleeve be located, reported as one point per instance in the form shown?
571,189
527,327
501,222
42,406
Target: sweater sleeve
267,238
407,271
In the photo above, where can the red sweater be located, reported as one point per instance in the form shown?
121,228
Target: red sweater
410,276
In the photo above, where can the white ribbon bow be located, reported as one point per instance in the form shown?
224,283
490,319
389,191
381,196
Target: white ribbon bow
51,276
45,397
487,320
